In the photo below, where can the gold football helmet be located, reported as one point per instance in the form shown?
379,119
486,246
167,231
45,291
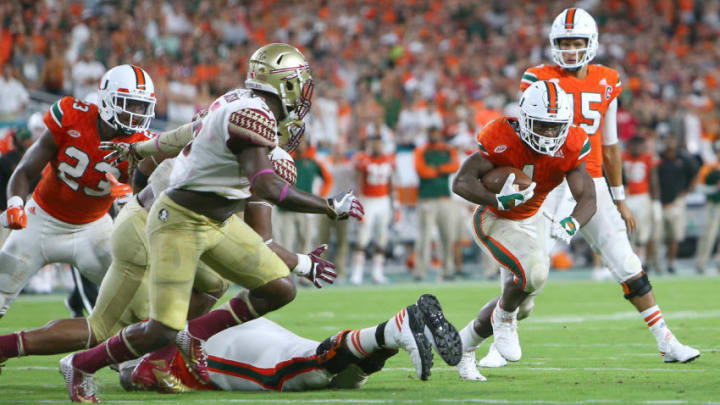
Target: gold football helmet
282,70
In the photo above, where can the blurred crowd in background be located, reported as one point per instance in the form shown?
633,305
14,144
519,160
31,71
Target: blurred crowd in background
393,69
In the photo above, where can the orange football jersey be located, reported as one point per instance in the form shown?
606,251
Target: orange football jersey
637,172
73,187
591,97
377,172
500,143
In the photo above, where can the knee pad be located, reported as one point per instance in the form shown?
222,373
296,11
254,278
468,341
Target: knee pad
637,287
537,277
333,355
526,308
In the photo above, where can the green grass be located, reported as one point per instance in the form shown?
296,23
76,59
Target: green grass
584,344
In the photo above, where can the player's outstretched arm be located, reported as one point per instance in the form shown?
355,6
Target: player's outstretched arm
583,190
271,187
258,215
468,182
31,165
167,144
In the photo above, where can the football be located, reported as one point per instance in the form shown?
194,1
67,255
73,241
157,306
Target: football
495,178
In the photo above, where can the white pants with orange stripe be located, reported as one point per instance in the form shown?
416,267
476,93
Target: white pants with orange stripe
47,240
375,222
261,355
606,233
518,246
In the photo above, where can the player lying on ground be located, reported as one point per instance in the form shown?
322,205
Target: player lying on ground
508,225
124,296
195,218
262,355
66,220
594,89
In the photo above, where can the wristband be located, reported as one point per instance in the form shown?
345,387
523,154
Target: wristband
304,265
618,193
15,201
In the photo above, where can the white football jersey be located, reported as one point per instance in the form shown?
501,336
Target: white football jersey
262,355
234,120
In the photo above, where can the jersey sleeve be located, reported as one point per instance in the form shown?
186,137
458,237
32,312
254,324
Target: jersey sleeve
528,78
249,126
584,150
614,80
487,140
57,117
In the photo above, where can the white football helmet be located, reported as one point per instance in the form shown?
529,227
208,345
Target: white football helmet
545,108
574,23
126,99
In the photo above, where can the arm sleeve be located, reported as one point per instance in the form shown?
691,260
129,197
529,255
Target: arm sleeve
249,126
423,170
609,133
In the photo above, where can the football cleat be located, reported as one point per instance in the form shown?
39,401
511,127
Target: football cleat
194,355
507,341
467,368
444,335
156,375
673,351
493,359
80,385
409,329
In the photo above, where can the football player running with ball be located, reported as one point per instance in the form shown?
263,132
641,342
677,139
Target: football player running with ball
66,220
594,89
509,225
194,218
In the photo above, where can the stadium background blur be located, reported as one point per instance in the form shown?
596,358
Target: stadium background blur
390,68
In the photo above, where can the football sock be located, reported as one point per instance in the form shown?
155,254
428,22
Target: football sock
362,342
654,319
502,315
469,337
236,311
358,264
392,330
113,351
12,345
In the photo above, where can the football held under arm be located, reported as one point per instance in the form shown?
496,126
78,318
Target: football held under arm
582,188
468,181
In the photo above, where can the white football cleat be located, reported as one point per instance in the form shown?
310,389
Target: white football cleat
673,351
379,278
408,330
467,368
356,278
506,339
493,359
80,385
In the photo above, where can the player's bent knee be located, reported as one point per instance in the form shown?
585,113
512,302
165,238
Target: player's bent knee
537,279
526,307
636,287
273,295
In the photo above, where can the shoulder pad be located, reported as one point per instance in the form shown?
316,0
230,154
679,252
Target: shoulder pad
252,126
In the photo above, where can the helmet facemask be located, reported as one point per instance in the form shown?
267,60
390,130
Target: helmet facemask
290,133
558,54
546,137
545,117
131,113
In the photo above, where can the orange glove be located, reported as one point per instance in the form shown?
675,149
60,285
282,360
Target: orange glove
122,192
14,217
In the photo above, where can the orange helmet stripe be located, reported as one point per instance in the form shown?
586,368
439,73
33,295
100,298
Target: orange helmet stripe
570,19
552,97
139,77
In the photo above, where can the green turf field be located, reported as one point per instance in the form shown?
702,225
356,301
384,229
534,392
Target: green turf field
583,345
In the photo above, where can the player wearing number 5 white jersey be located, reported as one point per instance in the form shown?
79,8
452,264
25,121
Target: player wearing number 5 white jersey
375,172
66,219
594,89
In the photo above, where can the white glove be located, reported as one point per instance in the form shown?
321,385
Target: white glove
656,212
510,196
565,229
345,205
